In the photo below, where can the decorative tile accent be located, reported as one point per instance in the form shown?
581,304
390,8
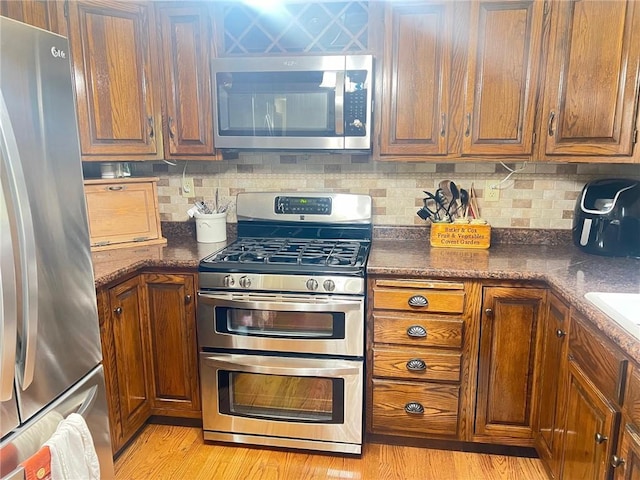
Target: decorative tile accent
542,196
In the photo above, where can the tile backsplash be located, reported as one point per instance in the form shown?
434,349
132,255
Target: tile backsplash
541,195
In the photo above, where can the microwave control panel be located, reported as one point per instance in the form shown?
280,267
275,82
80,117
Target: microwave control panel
355,104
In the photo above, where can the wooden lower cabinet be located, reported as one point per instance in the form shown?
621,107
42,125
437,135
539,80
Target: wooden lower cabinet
507,364
627,463
590,429
553,349
124,337
172,339
147,329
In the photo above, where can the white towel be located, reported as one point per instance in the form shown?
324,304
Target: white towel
73,455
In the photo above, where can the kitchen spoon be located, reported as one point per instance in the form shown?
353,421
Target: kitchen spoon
464,202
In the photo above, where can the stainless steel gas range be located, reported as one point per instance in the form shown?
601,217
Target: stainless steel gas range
281,323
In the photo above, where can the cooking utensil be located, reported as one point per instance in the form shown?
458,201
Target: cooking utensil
451,194
435,204
464,202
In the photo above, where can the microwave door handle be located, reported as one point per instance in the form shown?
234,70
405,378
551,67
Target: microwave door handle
8,301
243,363
19,202
340,103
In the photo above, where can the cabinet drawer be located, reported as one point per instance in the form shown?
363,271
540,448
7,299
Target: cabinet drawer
416,364
444,297
604,365
391,400
417,330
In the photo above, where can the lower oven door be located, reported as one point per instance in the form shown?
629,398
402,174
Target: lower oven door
292,323
293,402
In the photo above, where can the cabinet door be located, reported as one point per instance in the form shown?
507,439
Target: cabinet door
130,344
591,86
506,367
118,111
44,14
416,71
502,77
552,351
173,345
628,463
591,423
185,46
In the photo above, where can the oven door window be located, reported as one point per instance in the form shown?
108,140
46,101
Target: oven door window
282,324
281,398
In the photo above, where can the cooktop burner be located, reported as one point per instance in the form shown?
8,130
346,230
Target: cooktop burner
303,254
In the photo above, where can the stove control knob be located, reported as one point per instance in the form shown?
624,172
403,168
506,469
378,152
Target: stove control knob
329,285
228,281
312,284
245,282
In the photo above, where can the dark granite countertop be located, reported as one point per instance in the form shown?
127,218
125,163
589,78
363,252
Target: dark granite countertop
568,271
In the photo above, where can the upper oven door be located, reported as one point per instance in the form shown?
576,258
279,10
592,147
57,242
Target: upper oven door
300,103
296,323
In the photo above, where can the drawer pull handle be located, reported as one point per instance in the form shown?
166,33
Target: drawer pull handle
418,301
117,311
116,188
416,331
600,438
616,461
416,365
414,408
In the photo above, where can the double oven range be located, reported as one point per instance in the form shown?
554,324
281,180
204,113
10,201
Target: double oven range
281,315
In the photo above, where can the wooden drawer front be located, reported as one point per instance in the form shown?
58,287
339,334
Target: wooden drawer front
605,366
439,401
407,330
416,364
442,301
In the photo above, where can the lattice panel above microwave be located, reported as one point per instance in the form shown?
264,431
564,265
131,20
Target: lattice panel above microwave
317,27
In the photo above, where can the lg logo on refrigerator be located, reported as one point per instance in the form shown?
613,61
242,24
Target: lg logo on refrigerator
58,53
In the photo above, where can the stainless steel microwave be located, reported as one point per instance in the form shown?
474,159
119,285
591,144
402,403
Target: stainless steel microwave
293,103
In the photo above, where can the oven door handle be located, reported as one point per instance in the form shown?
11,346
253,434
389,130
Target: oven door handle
275,366
335,305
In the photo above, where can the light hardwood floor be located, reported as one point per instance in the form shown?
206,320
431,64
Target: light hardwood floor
171,452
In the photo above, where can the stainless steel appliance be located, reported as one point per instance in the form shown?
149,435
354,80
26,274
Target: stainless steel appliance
49,336
299,103
281,323
606,219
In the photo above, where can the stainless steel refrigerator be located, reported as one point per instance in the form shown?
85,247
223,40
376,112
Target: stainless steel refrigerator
49,336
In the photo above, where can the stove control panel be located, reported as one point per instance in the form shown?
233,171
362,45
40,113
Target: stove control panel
303,205
248,282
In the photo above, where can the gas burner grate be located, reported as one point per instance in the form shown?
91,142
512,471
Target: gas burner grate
291,252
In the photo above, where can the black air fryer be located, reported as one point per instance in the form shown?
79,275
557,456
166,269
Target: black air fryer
606,219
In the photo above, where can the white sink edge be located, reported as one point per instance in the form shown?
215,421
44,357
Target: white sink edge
623,308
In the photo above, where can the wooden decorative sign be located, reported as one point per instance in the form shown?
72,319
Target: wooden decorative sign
460,235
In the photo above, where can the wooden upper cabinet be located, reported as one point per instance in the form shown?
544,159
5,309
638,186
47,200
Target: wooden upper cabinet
45,14
502,77
592,80
416,71
118,109
185,47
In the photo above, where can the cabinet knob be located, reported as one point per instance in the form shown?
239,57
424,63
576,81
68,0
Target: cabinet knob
616,461
416,331
117,310
488,312
600,438
418,301
416,365
560,333
187,299
414,408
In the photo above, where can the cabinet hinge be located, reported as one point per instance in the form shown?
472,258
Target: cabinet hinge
140,239
65,9
545,10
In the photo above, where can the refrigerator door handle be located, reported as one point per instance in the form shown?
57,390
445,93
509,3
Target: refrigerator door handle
88,402
18,200
8,301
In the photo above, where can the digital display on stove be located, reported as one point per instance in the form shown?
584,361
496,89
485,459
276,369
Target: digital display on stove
303,205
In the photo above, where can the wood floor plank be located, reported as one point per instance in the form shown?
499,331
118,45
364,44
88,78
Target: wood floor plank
165,452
